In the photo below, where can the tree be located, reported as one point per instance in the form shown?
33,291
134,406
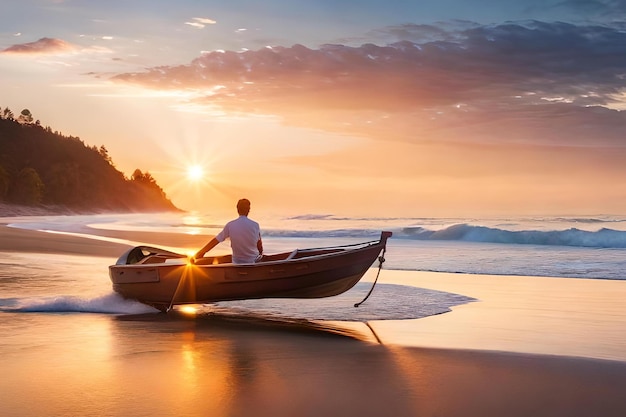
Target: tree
25,117
28,187
62,170
147,181
144,178
63,184
7,114
104,153
4,183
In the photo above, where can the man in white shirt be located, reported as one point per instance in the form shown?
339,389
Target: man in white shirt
244,234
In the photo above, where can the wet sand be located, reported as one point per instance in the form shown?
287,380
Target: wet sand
31,241
478,360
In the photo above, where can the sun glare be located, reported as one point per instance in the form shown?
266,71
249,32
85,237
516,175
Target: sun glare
195,172
188,310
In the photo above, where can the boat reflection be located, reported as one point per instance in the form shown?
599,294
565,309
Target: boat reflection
206,318
226,363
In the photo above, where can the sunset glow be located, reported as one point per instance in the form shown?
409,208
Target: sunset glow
420,109
188,310
195,172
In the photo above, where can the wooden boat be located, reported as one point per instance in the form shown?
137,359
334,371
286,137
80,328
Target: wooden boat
162,279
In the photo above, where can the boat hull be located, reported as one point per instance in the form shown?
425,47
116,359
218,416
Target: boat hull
314,274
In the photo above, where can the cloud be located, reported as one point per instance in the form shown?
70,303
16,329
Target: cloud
422,33
51,46
526,82
43,46
205,20
200,22
195,24
600,8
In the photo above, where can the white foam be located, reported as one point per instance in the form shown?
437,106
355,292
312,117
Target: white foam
387,302
106,304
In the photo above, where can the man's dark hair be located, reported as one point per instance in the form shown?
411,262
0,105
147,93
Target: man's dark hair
243,207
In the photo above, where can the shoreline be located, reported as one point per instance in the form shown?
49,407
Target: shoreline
536,315
112,242
34,241
14,210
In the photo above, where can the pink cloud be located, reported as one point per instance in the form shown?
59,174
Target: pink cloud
42,46
535,83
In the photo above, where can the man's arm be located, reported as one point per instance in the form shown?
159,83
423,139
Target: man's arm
259,246
212,243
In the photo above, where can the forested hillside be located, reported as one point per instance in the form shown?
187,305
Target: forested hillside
39,166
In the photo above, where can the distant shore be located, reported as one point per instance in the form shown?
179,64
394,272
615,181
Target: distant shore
32,241
16,210
13,210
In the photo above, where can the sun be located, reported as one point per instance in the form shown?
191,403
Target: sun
195,172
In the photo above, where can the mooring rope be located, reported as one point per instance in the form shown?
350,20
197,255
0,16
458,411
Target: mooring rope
381,259
182,278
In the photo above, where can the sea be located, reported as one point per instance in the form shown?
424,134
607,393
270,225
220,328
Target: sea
559,246
592,247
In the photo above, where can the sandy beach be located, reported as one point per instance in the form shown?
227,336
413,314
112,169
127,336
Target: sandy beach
530,347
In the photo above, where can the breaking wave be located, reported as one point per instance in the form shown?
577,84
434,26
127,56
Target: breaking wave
106,304
603,238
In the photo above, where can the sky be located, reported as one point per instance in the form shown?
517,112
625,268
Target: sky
377,108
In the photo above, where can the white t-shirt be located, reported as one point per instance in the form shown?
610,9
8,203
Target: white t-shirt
244,235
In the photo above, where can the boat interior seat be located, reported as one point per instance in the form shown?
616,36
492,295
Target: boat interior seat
153,259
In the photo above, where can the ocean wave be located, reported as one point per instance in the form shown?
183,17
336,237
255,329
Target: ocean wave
552,231
313,217
106,304
603,238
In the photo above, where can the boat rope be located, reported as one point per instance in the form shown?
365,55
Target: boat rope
169,308
381,260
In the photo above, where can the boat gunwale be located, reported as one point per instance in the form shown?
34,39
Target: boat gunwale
340,251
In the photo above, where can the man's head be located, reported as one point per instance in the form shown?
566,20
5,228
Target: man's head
243,207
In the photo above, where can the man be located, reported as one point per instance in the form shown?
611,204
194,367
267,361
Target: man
244,234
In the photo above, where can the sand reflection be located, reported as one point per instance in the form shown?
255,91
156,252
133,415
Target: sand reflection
221,365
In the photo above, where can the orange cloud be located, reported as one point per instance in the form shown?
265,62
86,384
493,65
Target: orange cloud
533,83
43,46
